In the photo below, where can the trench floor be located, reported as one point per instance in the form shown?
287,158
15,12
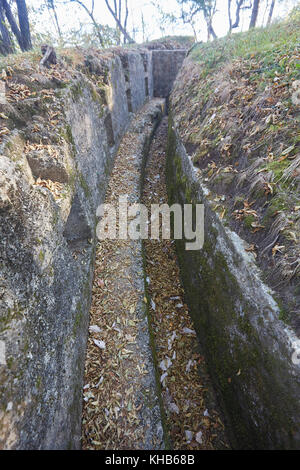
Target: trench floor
115,398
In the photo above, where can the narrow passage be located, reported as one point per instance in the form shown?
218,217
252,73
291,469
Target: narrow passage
122,407
192,420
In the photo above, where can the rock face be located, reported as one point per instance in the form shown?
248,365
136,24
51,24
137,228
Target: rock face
48,199
166,65
250,351
121,264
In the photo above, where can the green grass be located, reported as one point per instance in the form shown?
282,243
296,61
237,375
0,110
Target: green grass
268,45
278,168
19,58
184,41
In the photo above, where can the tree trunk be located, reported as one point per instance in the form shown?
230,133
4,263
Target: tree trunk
126,18
24,24
229,15
120,15
120,10
212,32
122,29
208,16
6,46
238,14
52,6
210,29
90,13
254,14
117,15
271,12
13,24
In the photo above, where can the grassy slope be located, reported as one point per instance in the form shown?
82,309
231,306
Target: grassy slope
243,134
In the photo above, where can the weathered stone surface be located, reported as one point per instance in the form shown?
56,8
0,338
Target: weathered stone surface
166,65
148,67
47,243
136,82
46,166
126,284
47,252
248,348
117,103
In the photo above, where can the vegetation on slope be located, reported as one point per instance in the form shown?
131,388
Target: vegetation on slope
236,106
171,42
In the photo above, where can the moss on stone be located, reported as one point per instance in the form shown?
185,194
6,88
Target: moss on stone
248,221
41,256
78,319
242,368
84,185
76,90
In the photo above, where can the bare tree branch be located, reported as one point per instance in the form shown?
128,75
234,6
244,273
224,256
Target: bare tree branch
254,14
13,24
51,5
91,15
271,12
6,46
119,24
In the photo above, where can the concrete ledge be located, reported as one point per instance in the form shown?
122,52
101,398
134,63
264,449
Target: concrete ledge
47,247
248,348
166,65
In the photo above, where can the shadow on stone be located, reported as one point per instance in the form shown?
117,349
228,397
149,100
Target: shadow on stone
77,231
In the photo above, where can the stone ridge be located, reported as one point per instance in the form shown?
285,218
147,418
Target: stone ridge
121,409
62,129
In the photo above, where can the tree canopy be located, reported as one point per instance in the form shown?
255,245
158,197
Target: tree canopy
26,22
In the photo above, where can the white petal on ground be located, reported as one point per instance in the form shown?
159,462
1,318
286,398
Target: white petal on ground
87,396
100,381
163,377
165,364
188,436
170,340
189,365
100,344
9,406
95,329
174,408
188,331
199,437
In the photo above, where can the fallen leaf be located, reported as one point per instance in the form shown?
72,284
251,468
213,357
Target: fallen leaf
277,249
95,329
188,435
100,344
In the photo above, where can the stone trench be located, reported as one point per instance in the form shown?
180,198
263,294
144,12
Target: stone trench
146,385
128,343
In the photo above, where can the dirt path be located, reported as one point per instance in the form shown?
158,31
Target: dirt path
121,408
121,399
188,399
